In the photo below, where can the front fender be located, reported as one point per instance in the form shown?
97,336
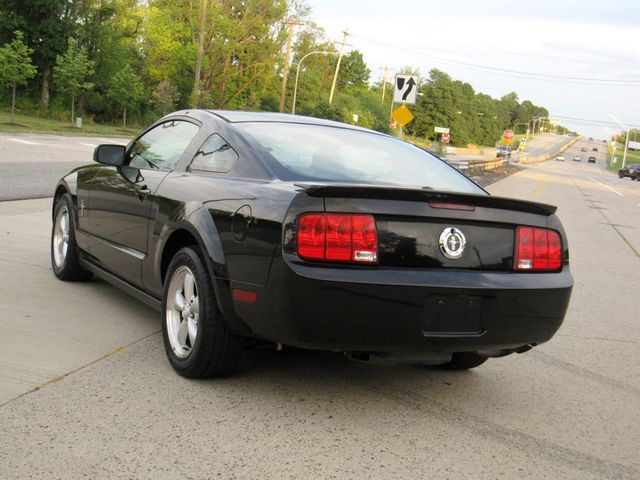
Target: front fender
67,184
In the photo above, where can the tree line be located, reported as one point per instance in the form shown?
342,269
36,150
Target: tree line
110,60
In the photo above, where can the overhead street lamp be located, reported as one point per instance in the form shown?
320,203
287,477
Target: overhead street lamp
534,120
295,88
520,123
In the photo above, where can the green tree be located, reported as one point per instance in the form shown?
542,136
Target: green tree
126,90
15,66
354,72
165,96
46,25
71,72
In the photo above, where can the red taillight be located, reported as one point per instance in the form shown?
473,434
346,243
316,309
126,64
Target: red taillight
311,236
538,249
338,237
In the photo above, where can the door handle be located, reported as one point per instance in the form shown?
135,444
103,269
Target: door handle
142,192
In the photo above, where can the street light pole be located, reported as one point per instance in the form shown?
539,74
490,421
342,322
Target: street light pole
519,123
295,88
335,76
626,146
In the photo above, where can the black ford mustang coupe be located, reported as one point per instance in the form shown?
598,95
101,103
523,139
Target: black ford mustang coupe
247,228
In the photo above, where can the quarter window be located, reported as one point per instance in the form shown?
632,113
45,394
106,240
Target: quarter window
215,155
162,147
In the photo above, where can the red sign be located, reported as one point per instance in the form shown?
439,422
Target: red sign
507,134
392,124
445,137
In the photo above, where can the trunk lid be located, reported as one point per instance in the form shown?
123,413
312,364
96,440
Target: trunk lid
426,229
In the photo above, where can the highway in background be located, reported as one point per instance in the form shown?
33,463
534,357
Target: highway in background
86,391
32,164
538,145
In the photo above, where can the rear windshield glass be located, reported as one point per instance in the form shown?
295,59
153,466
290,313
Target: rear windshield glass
297,152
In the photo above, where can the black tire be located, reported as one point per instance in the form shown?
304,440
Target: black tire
66,266
464,361
620,175
216,349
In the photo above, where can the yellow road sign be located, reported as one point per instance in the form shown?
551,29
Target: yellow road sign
402,115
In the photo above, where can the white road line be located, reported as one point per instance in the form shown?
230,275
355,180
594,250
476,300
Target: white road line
26,142
93,145
605,186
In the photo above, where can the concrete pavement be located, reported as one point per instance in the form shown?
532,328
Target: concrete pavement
565,410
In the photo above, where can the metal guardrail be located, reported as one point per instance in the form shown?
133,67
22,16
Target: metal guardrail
480,165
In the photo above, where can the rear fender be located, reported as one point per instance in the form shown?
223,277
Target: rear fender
197,220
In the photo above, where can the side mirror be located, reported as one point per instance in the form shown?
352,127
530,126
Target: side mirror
109,154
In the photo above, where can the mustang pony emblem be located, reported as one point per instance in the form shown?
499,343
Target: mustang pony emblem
452,243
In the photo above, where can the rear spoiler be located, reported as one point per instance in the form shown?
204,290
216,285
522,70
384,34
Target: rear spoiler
416,195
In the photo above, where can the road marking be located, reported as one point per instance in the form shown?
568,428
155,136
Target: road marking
536,195
605,186
26,142
89,144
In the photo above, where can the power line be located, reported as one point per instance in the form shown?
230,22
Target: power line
594,122
509,72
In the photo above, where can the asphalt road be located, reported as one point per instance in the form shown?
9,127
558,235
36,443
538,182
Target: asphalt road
31,164
85,390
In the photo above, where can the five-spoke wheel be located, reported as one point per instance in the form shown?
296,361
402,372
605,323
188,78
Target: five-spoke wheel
65,255
197,338
182,311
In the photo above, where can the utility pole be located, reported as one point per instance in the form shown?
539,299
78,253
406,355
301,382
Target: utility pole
195,94
291,23
626,146
335,75
384,82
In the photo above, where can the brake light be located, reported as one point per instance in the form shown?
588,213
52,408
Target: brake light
338,237
538,249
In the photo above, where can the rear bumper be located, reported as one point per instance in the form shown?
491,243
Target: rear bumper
393,310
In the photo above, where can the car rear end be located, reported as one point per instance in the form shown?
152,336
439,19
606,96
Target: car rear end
381,272
410,272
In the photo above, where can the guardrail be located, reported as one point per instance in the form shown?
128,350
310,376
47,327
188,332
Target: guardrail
480,165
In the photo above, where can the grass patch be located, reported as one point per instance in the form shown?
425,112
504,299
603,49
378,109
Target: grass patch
633,156
24,123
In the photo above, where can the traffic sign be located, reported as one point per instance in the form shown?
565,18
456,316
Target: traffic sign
406,89
441,130
445,138
402,115
392,124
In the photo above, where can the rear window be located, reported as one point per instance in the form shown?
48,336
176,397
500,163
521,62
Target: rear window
298,152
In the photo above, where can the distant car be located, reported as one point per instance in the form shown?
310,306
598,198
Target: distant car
591,138
576,158
632,171
592,160
560,158
595,149
503,151
247,229
583,149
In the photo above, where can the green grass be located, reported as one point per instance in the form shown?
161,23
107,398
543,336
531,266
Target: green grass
35,124
633,156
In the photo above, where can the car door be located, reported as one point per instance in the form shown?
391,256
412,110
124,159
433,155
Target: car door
120,198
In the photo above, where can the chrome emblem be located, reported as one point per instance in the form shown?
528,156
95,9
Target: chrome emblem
452,243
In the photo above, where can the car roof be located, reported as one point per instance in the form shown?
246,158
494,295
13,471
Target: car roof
236,116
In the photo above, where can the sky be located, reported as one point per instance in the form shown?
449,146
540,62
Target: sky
596,44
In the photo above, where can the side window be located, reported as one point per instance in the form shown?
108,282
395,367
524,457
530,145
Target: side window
215,155
162,147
